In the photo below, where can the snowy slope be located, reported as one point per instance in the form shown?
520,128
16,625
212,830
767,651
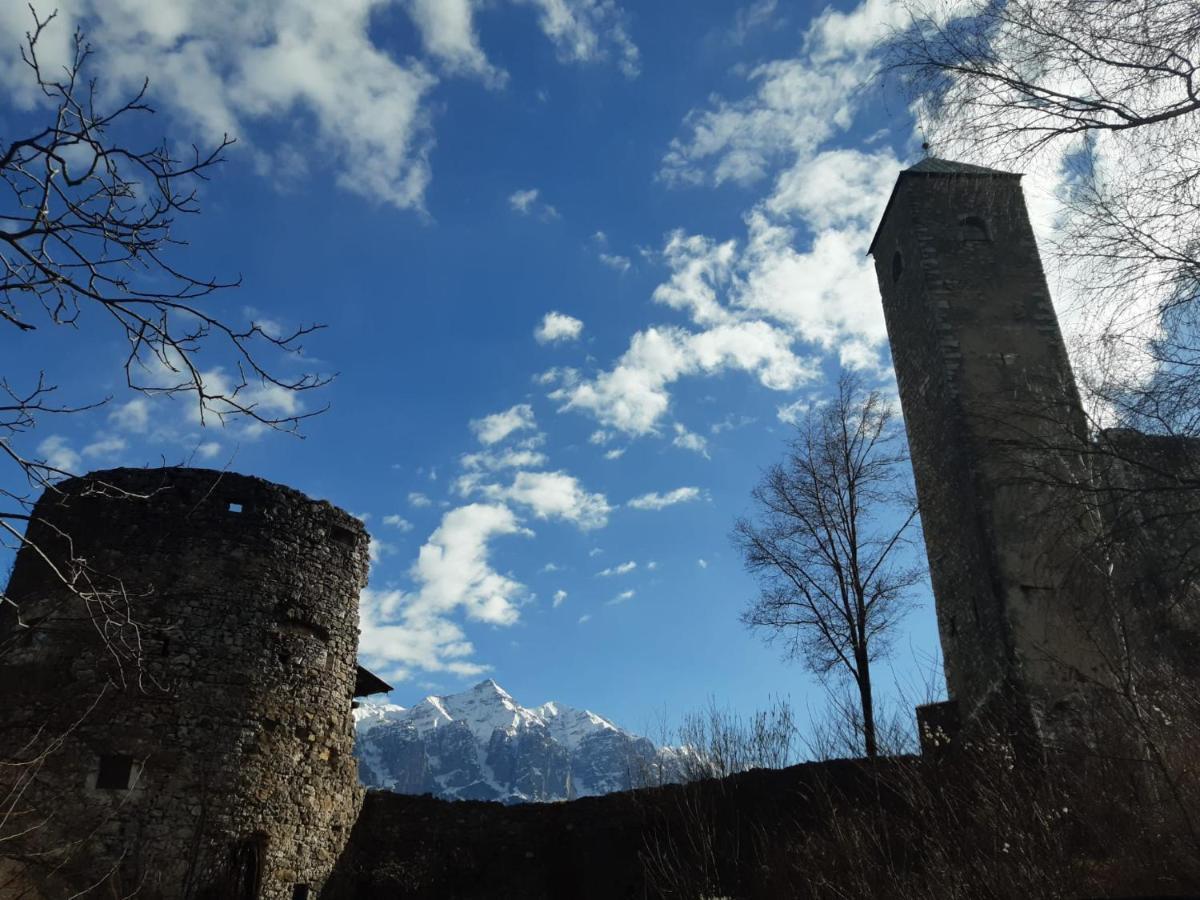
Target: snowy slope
481,744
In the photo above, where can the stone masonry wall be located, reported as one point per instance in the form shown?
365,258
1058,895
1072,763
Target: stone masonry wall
209,665
997,437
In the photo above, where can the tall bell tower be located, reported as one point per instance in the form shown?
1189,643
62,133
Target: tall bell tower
997,435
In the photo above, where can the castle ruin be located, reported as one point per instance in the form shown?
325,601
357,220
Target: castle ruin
176,687
1054,552
177,659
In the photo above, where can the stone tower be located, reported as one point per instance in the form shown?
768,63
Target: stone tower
176,681
997,435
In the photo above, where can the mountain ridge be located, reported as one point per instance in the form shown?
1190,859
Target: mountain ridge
481,744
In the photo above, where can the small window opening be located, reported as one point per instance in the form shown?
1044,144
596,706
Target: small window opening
897,266
300,892
973,228
115,773
235,507
343,536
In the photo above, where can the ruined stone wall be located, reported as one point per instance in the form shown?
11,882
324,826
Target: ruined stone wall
997,436
1150,489
184,728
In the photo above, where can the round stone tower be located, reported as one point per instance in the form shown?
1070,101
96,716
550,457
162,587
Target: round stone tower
177,666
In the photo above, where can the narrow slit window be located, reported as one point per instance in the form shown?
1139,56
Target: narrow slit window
897,266
114,773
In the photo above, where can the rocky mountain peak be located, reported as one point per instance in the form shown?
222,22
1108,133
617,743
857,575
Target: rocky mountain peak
481,744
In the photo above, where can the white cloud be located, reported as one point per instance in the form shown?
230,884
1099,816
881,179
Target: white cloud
418,500
756,15
615,453
655,500
556,326
526,202
551,567
586,617
225,66
133,415
398,522
553,495
702,563
508,458
622,597
634,394
241,68
652,565
559,596
616,261
587,31
623,569
208,449
689,440
108,445
496,427
57,453
377,549
448,32
452,576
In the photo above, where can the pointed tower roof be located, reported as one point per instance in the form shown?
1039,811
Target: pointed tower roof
931,166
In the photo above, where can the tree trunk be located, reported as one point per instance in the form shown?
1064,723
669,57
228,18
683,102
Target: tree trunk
868,708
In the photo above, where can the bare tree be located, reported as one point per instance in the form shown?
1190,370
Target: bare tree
1103,94
826,541
88,243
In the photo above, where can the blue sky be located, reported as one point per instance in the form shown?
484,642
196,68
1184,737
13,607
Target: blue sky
579,261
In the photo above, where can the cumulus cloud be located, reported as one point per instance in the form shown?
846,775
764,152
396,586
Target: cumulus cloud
623,569
553,495
798,287
105,446
588,31
57,453
655,500
496,427
559,596
689,440
448,32
133,415
229,66
556,326
406,630
634,395
224,66
418,500
397,522
622,597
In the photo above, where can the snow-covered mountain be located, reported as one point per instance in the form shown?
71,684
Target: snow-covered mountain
481,744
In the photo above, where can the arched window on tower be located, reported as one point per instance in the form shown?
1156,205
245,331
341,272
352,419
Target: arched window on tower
897,266
973,228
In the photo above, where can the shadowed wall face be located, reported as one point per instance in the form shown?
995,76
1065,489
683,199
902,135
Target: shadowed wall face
185,726
997,435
